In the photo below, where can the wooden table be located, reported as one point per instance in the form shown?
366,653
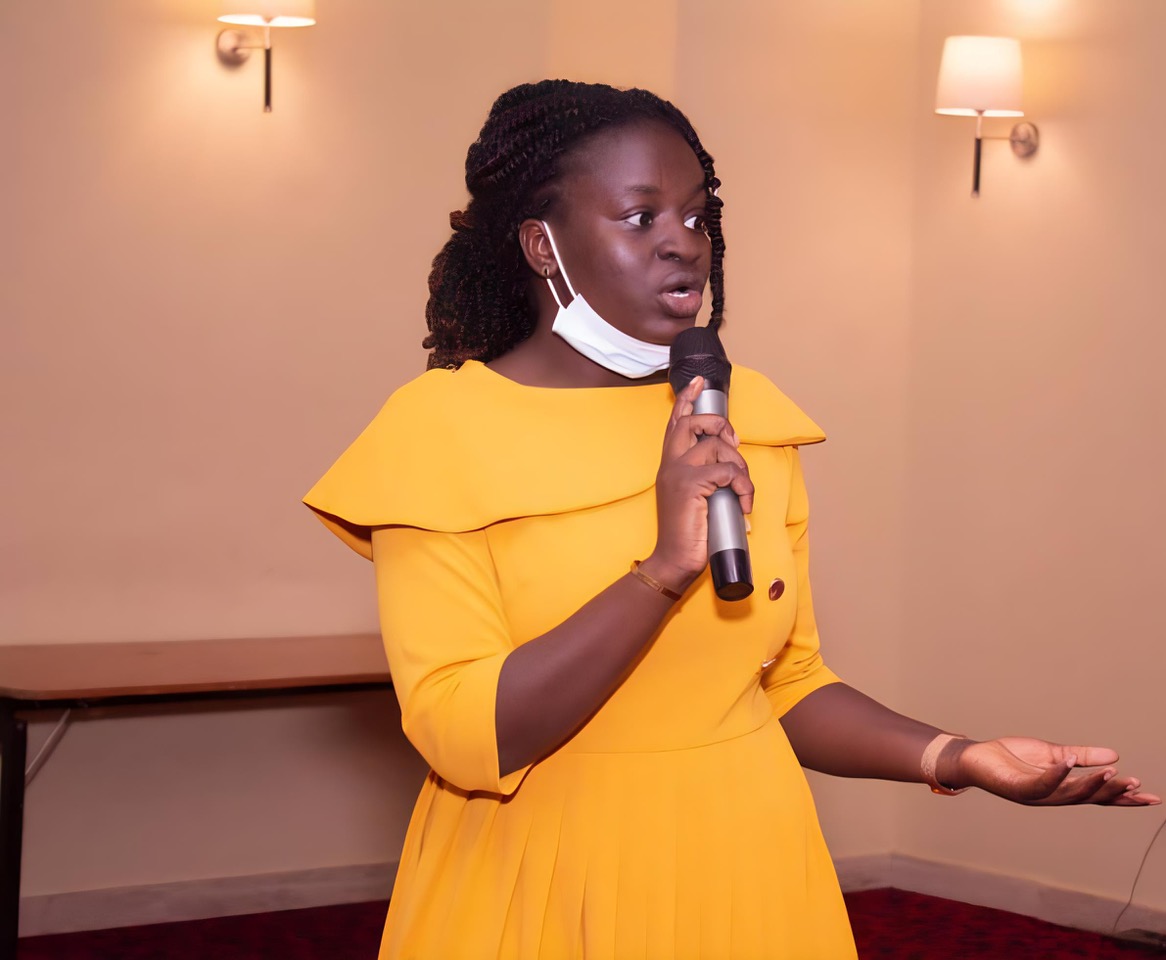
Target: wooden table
78,675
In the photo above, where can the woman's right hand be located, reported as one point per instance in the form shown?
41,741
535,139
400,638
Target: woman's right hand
700,454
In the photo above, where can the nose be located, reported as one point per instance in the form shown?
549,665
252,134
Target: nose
681,243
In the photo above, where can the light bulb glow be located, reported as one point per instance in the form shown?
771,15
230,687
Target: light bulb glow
980,76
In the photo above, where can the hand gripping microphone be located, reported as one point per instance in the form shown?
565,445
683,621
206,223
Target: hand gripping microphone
697,351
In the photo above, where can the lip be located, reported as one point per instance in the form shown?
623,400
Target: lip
683,306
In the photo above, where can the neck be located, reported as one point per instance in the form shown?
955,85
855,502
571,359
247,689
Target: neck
545,360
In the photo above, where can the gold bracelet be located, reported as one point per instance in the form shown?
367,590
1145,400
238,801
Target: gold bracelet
653,582
929,760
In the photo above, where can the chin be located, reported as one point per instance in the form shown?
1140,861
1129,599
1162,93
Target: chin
668,330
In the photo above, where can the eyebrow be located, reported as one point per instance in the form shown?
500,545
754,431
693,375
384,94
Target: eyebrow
647,188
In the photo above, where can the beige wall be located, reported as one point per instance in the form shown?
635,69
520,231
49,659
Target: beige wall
209,302
1037,435
808,109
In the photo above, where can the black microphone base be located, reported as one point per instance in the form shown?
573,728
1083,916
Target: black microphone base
732,574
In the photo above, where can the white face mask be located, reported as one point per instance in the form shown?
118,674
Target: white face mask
598,340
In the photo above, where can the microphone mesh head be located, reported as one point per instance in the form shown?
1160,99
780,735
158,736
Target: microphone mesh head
698,352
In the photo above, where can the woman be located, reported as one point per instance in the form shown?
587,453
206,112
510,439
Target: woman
616,754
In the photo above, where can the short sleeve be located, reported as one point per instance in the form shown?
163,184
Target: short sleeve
799,669
446,636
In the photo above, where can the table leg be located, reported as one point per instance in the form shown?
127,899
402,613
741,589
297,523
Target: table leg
13,756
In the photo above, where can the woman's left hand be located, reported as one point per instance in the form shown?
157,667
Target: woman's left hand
1038,773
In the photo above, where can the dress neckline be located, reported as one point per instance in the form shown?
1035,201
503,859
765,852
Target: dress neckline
477,368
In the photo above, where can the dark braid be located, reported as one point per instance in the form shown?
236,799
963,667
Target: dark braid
478,303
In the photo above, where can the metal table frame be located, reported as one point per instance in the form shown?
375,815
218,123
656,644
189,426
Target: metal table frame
370,675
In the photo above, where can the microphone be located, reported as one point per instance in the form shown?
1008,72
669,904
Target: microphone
698,351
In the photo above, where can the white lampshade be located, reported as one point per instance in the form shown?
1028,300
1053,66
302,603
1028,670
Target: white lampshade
269,13
980,75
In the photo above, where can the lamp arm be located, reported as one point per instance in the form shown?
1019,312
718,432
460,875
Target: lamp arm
979,152
267,68
233,51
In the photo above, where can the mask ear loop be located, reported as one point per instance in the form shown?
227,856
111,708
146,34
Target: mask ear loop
562,269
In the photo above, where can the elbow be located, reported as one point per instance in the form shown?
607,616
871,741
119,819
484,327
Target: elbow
462,752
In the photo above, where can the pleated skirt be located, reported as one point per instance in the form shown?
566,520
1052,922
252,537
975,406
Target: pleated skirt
709,852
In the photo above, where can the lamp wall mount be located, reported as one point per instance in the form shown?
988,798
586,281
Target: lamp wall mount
983,77
233,47
233,50
1024,139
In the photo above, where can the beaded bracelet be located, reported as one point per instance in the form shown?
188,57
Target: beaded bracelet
653,582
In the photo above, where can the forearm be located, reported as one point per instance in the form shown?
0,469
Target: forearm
839,731
549,686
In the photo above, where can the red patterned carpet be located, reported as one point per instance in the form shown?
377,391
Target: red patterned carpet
896,925
888,925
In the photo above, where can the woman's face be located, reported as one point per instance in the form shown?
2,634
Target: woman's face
629,227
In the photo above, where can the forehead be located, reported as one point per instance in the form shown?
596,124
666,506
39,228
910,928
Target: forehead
634,158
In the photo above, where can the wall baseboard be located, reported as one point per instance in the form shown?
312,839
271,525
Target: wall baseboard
1069,908
230,896
198,899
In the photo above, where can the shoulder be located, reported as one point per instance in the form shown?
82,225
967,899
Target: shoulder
762,414
404,466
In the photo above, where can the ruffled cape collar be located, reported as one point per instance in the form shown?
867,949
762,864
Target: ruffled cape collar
457,450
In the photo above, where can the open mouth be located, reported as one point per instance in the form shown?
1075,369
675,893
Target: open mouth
682,301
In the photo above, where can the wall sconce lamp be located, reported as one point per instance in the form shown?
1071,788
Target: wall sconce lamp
982,77
232,46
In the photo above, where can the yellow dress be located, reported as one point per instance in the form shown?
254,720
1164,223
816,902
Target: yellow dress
676,823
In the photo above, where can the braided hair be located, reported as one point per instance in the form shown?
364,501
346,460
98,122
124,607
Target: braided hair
478,302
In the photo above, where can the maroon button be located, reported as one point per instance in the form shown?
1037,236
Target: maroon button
776,588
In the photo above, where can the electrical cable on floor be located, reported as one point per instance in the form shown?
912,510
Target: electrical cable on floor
47,747
1137,877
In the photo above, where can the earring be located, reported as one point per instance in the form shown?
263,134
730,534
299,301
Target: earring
547,273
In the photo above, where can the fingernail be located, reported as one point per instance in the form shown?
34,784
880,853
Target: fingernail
1108,775
1071,761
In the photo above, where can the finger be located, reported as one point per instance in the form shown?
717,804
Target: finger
1110,788
1092,756
714,475
712,450
685,399
684,434
1073,790
1132,788
1138,799
1049,782
1098,786
1123,791
1137,795
723,473
742,486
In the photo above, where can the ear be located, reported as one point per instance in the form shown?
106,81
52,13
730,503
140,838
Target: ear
532,237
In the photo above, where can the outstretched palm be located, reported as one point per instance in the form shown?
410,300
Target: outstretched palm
1036,772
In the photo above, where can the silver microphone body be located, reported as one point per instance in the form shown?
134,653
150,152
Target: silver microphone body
728,548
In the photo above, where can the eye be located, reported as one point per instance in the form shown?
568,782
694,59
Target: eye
642,219
696,222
